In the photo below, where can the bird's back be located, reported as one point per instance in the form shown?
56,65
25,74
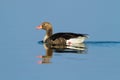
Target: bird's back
66,35
62,38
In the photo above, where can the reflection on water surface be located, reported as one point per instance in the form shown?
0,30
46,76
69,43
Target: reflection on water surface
50,49
75,49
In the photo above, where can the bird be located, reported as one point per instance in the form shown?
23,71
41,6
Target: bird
61,38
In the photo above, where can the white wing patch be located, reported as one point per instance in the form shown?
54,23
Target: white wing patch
75,40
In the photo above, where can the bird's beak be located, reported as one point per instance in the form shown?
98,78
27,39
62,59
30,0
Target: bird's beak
39,27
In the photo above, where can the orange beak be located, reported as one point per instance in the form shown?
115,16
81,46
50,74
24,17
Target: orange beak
39,27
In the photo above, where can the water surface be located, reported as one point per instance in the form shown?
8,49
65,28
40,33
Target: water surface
96,60
23,58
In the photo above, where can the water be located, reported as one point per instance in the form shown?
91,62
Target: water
90,60
96,60
24,57
81,51
30,59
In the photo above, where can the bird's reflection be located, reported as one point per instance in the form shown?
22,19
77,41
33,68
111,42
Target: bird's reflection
47,57
76,48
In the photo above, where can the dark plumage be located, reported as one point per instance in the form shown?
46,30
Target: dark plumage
66,35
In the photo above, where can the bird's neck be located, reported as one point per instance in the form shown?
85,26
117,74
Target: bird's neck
48,34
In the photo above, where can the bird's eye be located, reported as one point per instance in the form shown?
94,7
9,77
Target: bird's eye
43,24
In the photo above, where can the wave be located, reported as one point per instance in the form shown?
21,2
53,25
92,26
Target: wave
103,43
100,42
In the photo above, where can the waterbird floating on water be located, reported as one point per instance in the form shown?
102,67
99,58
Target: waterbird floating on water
61,38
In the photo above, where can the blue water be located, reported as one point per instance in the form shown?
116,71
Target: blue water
99,60
24,57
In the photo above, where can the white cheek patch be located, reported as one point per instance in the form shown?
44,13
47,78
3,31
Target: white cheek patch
75,40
